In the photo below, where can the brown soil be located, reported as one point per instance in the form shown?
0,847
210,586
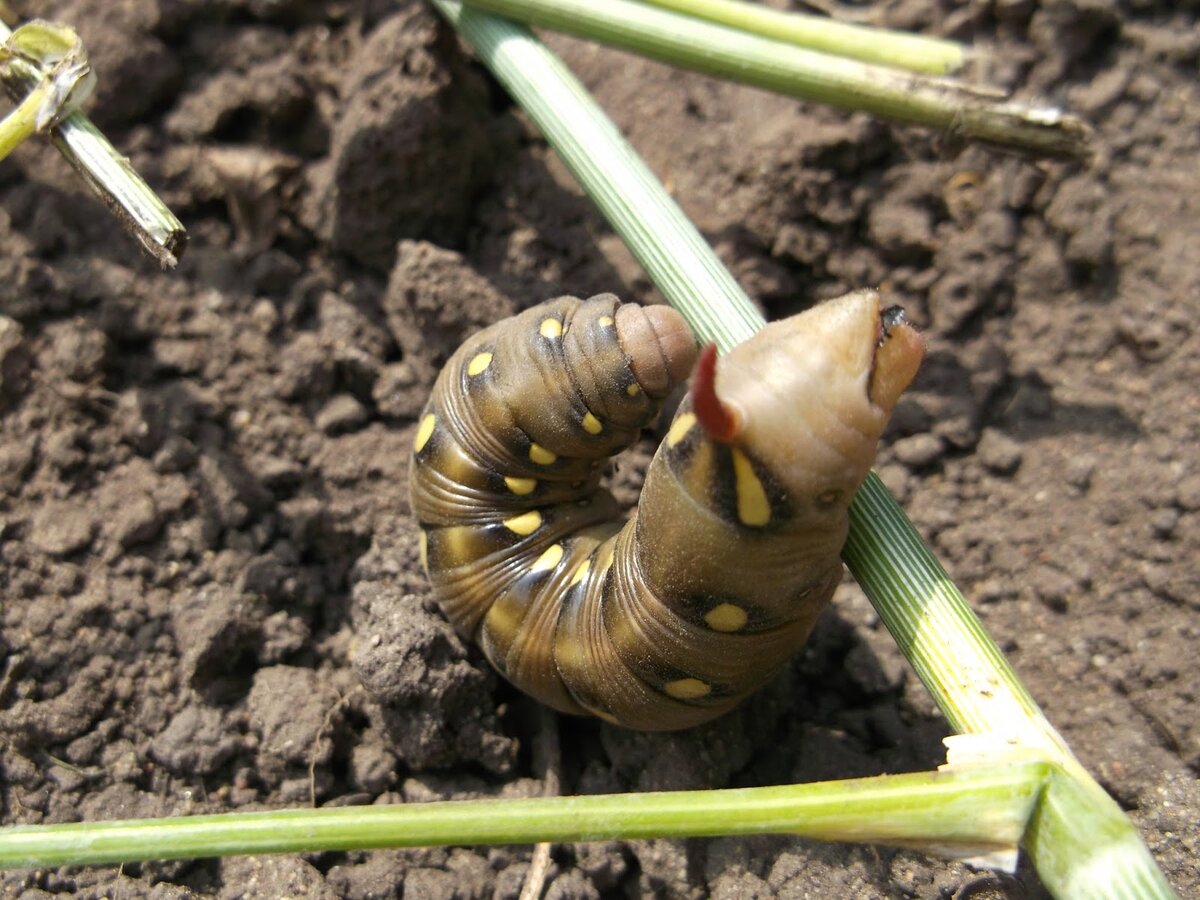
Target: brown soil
204,540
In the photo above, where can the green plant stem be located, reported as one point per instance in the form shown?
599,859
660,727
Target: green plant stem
969,678
976,688
1081,842
971,810
847,84
1086,848
20,124
614,176
896,49
106,171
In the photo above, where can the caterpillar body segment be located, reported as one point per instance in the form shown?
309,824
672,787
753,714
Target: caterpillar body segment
675,616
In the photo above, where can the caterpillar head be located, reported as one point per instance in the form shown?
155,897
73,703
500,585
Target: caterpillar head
809,396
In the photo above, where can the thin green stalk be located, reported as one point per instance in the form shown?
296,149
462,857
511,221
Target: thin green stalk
20,124
1081,842
847,84
976,687
614,176
896,49
970,811
1086,848
969,678
107,172
65,79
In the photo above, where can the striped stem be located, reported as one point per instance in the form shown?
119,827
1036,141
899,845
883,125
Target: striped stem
896,49
105,170
952,107
969,811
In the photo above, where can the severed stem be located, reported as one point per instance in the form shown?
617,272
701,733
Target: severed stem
896,49
959,110
107,172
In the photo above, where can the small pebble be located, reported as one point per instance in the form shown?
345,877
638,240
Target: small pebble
79,350
1164,522
397,392
1079,471
264,315
918,451
897,480
1053,587
1163,582
1188,493
277,472
993,590
998,452
342,413
136,521
61,528
177,454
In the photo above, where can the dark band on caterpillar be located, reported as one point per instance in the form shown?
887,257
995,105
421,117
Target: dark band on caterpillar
675,616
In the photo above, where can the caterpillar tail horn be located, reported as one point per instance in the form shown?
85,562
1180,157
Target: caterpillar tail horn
720,420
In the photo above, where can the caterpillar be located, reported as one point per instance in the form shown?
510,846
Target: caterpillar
673,617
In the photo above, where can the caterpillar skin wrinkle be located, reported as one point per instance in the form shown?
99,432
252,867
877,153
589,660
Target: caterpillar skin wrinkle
673,617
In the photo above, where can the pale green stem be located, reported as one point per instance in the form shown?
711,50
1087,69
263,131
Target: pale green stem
1085,848
975,687
690,43
967,811
966,673
106,171
896,49
1081,842
20,124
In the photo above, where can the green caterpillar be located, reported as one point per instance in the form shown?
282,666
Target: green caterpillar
672,617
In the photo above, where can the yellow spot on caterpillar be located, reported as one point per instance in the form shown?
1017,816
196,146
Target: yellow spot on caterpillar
525,524
478,364
604,321
424,432
580,572
423,544
457,545
500,626
752,505
687,689
541,455
549,559
591,424
520,486
550,329
606,557
634,389
680,427
725,617
569,654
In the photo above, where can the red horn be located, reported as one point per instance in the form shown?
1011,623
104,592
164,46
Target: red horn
714,417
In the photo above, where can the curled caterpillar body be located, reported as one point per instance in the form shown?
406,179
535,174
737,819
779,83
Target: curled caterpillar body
673,617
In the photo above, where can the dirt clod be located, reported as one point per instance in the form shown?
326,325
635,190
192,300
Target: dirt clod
61,528
412,662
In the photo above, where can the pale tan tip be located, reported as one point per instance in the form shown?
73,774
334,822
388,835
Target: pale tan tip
659,345
896,365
